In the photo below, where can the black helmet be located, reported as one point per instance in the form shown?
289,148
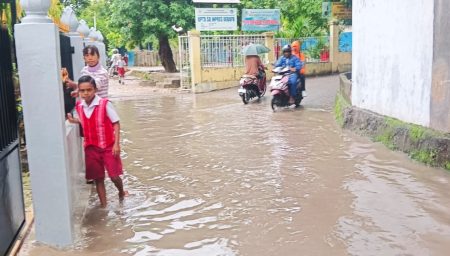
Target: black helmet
287,48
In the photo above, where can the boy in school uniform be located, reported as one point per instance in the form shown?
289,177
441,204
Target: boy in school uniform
101,128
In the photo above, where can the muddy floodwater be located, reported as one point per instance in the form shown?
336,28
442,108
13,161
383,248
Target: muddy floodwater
208,175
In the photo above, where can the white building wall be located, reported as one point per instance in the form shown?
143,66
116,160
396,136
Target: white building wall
392,58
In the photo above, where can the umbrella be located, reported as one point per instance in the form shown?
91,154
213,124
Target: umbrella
254,49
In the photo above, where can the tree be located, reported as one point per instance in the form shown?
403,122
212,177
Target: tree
140,20
302,18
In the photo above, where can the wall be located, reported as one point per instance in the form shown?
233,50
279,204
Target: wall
223,78
80,191
440,92
392,68
145,58
228,77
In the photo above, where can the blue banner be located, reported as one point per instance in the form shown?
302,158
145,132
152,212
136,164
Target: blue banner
345,42
260,19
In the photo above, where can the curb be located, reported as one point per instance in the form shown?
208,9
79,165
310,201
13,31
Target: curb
29,221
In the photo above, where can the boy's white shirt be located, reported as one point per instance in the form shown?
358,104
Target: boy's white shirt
116,57
88,110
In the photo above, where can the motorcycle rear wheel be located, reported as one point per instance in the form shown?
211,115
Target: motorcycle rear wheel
265,88
273,104
263,92
298,101
244,97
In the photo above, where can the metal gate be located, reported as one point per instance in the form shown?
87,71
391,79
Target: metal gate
66,54
184,63
12,209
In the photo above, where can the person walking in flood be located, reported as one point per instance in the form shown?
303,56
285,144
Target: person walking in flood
101,128
121,70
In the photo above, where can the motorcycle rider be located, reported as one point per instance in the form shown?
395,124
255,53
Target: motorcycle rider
254,67
295,65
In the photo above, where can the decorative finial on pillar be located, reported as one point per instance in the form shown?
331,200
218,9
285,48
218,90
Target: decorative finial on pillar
100,37
83,29
69,18
36,11
93,34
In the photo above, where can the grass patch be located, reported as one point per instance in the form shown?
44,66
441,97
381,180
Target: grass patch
425,156
416,133
142,75
387,138
422,144
447,166
340,104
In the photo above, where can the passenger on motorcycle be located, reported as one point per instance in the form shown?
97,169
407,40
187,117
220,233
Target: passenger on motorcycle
296,50
254,67
295,64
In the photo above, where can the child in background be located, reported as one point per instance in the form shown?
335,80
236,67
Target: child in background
121,70
101,128
94,69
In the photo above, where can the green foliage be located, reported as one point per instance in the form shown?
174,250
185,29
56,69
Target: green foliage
386,138
302,18
6,12
55,10
392,122
140,21
100,9
416,133
447,166
314,52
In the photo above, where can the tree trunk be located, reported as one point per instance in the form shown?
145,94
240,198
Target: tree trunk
165,54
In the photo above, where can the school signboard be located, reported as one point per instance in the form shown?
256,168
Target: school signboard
215,19
260,19
341,11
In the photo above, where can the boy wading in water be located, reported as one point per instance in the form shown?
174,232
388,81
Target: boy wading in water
101,128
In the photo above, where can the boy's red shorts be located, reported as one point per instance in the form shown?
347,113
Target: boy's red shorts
97,160
121,71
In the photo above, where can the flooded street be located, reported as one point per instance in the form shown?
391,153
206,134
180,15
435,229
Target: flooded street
208,175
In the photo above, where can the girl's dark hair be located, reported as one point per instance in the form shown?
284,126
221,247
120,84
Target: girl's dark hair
91,49
87,79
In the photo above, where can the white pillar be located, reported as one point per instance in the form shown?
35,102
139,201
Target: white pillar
39,63
76,41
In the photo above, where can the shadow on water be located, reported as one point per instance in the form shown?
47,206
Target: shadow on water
210,176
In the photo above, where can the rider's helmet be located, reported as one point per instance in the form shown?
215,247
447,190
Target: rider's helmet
287,48
115,51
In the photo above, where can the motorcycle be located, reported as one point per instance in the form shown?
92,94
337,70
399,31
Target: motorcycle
252,87
279,88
